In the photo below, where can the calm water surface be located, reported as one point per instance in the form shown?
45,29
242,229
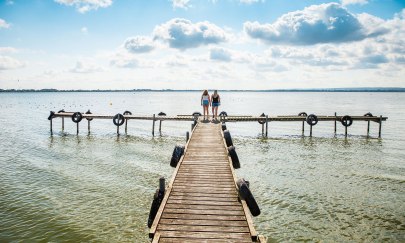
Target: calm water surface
99,187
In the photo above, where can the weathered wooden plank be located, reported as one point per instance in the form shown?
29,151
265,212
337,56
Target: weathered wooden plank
204,235
205,202
204,228
212,217
204,222
205,194
205,211
188,240
202,207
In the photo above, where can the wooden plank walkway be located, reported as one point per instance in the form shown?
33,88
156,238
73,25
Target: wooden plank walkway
201,201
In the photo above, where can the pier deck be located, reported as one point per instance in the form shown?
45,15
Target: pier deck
201,201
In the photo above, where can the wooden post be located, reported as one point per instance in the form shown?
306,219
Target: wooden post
51,126
303,128
187,136
262,129
63,124
310,131
192,126
379,128
153,126
335,122
160,127
345,132
88,126
267,125
368,128
126,126
118,130
162,184
77,128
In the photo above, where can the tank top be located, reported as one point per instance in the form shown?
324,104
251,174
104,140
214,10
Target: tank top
215,99
205,97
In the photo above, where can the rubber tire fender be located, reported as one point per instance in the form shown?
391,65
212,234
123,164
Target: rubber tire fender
197,114
260,121
223,114
312,120
346,121
51,115
77,117
223,126
246,194
177,153
88,112
118,119
234,157
127,113
304,114
228,138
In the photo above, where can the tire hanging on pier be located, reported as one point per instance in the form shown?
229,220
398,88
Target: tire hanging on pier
223,114
223,126
157,200
234,157
304,114
228,138
177,153
197,114
262,121
346,121
77,117
127,113
312,120
118,119
60,111
51,115
162,113
368,114
88,113
246,194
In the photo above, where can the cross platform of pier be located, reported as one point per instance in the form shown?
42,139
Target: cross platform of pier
201,201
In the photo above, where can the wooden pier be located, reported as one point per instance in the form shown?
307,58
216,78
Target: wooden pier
201,202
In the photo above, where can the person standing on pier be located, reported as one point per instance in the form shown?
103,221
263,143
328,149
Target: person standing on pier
205,102
216,101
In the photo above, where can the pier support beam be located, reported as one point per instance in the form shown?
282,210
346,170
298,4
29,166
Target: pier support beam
267,125
153,126
77,128
126,126
368,128
51,126
335,123
345,132
303,128
310,131
88,126
63,124
160,127
118,130
379,127
187,136
263,130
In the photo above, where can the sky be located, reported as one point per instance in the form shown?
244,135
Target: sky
201,44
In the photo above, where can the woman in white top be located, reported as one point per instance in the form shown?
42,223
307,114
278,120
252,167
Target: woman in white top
205,102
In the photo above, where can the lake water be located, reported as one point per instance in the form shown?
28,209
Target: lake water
99,187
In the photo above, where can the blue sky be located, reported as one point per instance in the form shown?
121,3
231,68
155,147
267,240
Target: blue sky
197,44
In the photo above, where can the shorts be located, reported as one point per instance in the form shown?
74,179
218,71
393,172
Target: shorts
215,104
205,102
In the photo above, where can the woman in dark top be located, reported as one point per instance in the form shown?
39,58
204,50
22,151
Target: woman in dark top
216,101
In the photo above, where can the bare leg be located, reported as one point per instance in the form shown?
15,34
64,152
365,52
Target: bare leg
216,112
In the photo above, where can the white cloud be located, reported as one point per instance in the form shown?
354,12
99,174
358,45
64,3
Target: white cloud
184,4
85,67
7,49
183,34
7,62
84,30
220,54
4,24
139,44
325,23
84,6
347,2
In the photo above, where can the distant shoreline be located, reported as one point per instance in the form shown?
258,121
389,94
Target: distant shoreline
381,89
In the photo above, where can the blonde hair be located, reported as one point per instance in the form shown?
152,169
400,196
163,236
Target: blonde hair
205,92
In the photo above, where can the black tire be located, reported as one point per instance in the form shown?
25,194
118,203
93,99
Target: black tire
228,138
262,121
177,153
127,113
162,114
312,120
223,114
51,115
223,126
157,200
88,112
118,120
196,114
346,121
234,157
304,114
77,117
246,194
368,114
61,111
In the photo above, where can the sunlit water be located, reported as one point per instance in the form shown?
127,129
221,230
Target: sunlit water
99,187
